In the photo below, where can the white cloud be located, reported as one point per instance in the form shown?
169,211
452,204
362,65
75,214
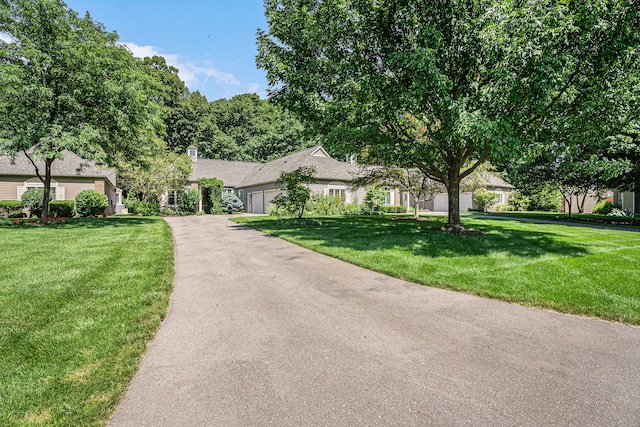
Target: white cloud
194,75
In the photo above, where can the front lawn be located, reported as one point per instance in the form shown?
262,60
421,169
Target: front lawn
623,221
79,301
576,270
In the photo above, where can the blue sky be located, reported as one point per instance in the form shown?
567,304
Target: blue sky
211,42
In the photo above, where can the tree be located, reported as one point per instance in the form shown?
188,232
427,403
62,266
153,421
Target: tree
484,198
419,186
441,86
67,84
295,183
152,175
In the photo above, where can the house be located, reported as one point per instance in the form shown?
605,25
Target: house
254,183
70,176
628,200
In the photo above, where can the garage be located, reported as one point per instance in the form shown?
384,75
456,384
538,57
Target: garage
257,202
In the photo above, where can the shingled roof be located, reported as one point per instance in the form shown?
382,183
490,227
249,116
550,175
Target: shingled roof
71,166
246,174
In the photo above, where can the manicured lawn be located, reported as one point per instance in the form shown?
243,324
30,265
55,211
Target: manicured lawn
562,216
78,304
569,269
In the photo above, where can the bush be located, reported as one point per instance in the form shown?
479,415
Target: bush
131,203
619,213
32,200
90,202
325,205
603,207
519,201
484,198
392,209
373,199
546,199
10,209
274,210
63,208
501,207
148,208
188,201
212,193
231,203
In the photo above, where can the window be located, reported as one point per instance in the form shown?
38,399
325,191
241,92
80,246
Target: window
192,152
172,198
227,191
57,193
388,198
337,192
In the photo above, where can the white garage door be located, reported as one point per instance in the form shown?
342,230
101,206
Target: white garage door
269,196
441,202
257,202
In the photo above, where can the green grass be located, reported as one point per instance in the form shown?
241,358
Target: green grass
576,270
562,216
79,302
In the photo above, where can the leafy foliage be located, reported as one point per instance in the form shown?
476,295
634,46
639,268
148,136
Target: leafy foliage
62,208
603,207
231,203
212,193
374,198
90,202
32,200
155,173
297,193
243,128
484,198
188,200
444,86
67,84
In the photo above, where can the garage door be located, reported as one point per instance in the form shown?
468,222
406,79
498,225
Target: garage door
269,196
441,202
257,202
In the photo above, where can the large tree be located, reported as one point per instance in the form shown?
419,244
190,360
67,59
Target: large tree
67,84
440,85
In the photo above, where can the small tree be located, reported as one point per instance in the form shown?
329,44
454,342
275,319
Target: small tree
297,192
374,198
484,198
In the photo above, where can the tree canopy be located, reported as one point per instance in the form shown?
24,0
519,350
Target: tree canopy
244,128
67,84
444,86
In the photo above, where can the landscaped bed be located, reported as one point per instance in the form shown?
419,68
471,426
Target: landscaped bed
564,217
576,270
79,301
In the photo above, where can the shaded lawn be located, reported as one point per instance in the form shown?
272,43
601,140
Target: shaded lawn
78,304
624,221
569,269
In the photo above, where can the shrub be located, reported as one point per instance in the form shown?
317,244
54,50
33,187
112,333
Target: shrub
603,207
274,210
32,199
90,202
392,209
484,198
148,208
519,201
188,201
231,203
212,192
131,203
618,212
546,199
13,204
352,209
10,209
63,208
325,205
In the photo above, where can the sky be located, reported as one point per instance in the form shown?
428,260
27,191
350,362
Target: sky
211,42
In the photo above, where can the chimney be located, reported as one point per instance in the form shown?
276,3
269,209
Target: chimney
192,152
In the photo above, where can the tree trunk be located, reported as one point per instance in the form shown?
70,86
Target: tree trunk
581,203
453,192
47,191
569,205
416,210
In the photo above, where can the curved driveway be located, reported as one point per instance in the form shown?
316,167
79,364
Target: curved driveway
263,332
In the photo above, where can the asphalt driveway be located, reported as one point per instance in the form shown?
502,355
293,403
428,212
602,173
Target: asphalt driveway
263,332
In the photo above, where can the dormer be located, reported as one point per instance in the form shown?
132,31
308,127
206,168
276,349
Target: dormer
192,152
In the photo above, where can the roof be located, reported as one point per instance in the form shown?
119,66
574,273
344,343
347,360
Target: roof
71,166
231,173
246,174
495,181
